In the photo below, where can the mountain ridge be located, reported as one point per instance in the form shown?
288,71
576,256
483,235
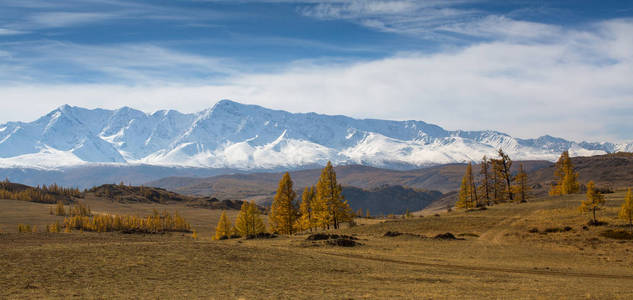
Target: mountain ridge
247,137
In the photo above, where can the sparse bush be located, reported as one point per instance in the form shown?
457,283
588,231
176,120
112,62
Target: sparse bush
617,234
25,228
468,234
446,236
596,223
261,235
553,230
392,234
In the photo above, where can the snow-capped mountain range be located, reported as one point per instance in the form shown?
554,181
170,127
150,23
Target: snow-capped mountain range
238,136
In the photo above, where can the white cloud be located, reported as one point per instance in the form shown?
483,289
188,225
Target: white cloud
63,19
423,18
5,31
130,63
577,87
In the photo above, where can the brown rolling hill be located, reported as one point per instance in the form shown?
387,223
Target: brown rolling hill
382,191
610,171
142,194
444,178
110,193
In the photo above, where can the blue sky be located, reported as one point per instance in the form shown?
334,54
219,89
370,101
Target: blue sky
527,68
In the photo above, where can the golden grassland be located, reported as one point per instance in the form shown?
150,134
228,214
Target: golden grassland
498,257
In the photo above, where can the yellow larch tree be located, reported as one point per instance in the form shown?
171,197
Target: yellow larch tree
249,221
307,220
566,177
626,211
593,202
468,190
283,212
223,229
330,207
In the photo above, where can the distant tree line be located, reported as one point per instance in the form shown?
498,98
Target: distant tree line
44,194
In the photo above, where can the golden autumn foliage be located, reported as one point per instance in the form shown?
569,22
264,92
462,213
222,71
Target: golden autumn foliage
157,223
224,229
53,228
307,219
567,178
330,209
44,194
77,209
249,221
593,202
283,211
24,228
468,190
626,211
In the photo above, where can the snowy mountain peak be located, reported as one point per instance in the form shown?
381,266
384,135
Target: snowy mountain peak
236,135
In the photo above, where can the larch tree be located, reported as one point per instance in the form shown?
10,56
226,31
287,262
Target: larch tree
567,178
626,211
467,196
223,230
330,207
307,220
505,163
521,187
249,221
593,202
283,212
485,188
498,182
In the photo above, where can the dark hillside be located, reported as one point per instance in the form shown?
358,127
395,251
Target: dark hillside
389,199
143,194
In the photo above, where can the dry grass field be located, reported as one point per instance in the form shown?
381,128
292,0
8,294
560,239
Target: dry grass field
497,257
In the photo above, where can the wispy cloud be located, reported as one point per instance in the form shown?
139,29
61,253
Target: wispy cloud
32,15
123,63
5,31
403,16
64,19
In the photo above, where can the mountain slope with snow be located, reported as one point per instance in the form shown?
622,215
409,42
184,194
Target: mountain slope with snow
238,136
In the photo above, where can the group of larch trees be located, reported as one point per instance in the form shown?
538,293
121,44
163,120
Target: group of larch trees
567,183
322,207
496,184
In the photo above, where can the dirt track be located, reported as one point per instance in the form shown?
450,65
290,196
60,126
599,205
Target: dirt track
487,269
